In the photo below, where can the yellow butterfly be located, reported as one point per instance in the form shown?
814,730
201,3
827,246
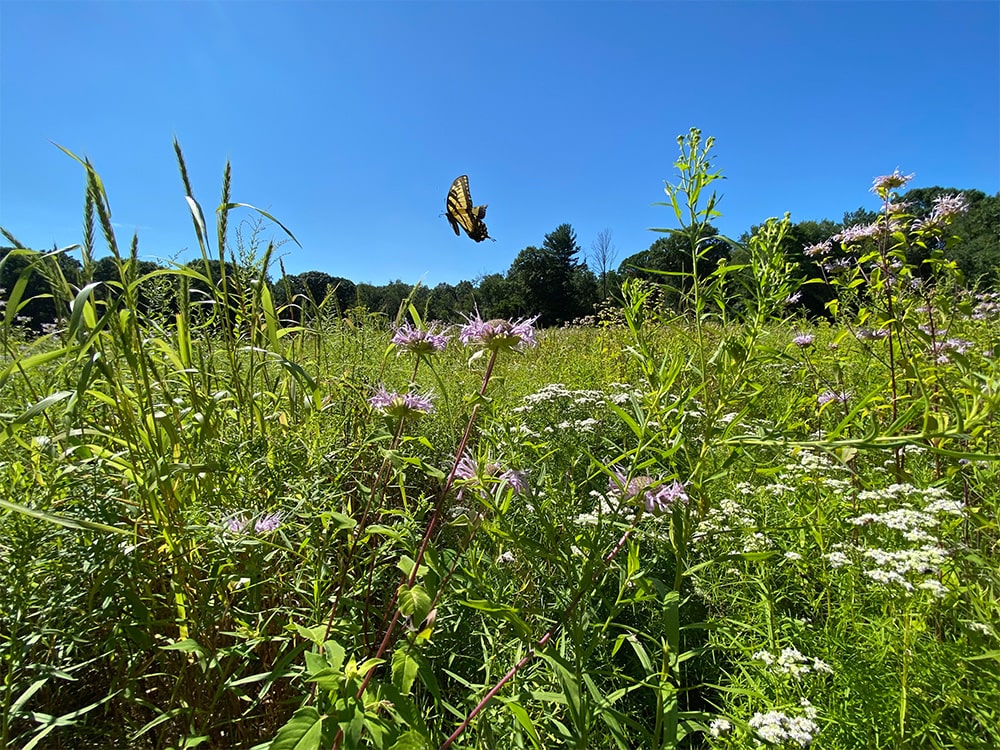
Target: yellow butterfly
461,212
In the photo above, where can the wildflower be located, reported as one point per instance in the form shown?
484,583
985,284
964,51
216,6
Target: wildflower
497,335
828,396
882,185
763,656
837,559
516,480
949,205
803,340
776,728
870,334
506,558
267,523
656,498
719,727
468,468
235,524
793,556
417,341
836,265
791,299
979,627
661,499
400,405
820,248
857,233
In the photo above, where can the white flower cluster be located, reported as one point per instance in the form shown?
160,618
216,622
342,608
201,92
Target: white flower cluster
792,662
729,516
559,392
577,406
777,728
810,465
719,727
910,569
894,567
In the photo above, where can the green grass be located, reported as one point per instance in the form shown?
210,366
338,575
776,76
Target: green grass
832,555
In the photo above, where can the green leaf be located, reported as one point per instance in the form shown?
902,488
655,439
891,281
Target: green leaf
404,668
335,654
70,523
525,721
414,602
338,520
302,732
187,646
411,740
502,611
316,634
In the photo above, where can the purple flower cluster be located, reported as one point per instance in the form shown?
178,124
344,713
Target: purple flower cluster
882,185
949,205
400,405
238,523
987,306
857,233
804,340
497,335
468,469
828,396
820,248
945,207
419,341
657,497
941,349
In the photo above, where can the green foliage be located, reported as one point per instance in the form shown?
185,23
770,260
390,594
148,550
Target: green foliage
257,518
551,282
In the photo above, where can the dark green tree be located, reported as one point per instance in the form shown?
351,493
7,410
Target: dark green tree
668,262
545,279
50,278
315,291
977,252
496,297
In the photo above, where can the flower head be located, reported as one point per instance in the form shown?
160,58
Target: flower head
497,335
235,524
516,480
881,186
468,467
857,233
828,396
719,727
820,248
657,497
267,523
401,405
949,205
803,340
418,341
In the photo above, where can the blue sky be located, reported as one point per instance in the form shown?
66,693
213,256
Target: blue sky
348,121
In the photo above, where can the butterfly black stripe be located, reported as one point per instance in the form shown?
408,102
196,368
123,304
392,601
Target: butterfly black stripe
461,212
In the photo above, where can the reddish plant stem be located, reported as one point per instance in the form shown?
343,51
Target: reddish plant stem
431,525
540,644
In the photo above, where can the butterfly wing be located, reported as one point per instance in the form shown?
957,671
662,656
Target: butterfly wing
458,205
461,212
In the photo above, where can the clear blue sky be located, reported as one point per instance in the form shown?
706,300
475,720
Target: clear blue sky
348,121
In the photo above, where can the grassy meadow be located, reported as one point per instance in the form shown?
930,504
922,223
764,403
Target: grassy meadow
709,526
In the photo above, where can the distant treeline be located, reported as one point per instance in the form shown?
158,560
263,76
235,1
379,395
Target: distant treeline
558,281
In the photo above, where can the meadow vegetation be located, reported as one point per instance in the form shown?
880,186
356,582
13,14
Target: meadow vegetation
694,525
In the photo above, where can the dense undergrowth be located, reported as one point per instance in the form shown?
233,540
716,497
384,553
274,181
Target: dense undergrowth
707,527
